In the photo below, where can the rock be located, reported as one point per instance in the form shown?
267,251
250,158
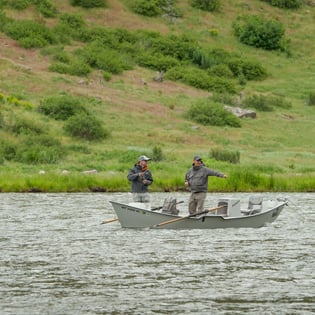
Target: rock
90,172
241,112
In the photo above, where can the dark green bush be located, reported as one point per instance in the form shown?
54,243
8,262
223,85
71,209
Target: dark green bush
157,154
251,70
147,7
311,99
117,39
207,59
74,67
86,127
254,30
73,25
266,103
225,155
221,70
180,47
206,5
46,8
286,4
61,107
19,4
29,33
3,20
89,3
104,58
1,119
209,113
259,102
156,61
200,79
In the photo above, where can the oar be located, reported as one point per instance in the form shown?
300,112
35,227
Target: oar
153,209
189,216
109,221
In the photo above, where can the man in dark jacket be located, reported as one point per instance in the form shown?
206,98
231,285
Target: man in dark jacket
197,180
140,178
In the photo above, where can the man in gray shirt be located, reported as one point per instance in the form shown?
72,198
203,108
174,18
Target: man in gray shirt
197,180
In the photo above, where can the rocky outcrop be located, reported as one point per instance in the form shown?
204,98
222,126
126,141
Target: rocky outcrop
240,112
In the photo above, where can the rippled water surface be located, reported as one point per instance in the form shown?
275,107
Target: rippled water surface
56,258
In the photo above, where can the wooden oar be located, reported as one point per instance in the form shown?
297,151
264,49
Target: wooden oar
153,209
109,221
189,216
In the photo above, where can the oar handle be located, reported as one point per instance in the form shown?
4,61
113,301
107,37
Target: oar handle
109,221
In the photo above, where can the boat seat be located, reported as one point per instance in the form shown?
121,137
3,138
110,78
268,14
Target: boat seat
254,205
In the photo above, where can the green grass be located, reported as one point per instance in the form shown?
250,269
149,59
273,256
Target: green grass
277,151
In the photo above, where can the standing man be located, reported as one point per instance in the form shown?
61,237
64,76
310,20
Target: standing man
197,180
140,178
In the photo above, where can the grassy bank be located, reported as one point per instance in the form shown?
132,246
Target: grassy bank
166,179
276,149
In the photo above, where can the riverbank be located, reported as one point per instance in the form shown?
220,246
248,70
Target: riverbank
114,181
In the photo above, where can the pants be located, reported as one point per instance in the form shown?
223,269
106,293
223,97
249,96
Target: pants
196,202
141,197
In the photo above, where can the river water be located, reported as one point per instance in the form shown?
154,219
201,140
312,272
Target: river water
56,258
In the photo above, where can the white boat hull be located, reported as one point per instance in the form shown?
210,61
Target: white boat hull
130,216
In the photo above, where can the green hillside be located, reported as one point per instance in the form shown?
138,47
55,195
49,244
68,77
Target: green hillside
97,67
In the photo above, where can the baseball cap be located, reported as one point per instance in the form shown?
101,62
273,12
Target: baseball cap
197,158
143,158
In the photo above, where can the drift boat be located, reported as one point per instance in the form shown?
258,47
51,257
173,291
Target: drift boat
228,214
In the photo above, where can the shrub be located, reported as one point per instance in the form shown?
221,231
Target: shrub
225,155
46,8
7,150
287,4
200,79
147,7
104,58
26,126
255,31
157,154
1,121
156,61
39,150
19,4
29,33
206,5
224,98
266,103
86,127
75,67
251,70
311,99
180,47
61,107
208,113
73,25
221,70
88,3
259,102
106,75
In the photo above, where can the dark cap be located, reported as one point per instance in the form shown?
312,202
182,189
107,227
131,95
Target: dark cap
143,158
197,158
